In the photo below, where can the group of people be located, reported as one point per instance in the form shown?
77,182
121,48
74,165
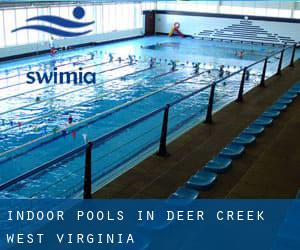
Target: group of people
131,59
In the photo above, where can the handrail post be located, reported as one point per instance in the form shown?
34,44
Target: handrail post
293,55
164,133
241,90
87,192
263,75
210,104
280,63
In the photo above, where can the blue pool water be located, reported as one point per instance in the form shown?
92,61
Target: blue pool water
33,132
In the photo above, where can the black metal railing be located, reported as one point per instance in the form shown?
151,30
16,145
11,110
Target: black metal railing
162,151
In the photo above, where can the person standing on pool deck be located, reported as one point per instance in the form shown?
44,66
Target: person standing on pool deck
151,62
53,50
111,58
197,67
70,119
92,55
130,60
221,71
173,65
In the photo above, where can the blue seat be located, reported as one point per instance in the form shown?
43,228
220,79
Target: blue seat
278,106
202,180
218,164
284,101
184,193
232,151
295,87
271,114
294,91
263,121
289,95
244,139
254,130
177,201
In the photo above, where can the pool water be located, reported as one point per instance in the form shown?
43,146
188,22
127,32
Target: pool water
34,126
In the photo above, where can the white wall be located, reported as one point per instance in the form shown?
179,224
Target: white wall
29,48
278,8
192,25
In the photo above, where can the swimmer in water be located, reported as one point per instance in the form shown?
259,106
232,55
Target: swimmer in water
241,54
37,99
119,59
70,119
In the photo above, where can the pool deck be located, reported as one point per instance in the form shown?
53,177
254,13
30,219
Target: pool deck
269,169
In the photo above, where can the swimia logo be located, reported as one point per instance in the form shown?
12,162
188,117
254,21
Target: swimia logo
55,77
78,13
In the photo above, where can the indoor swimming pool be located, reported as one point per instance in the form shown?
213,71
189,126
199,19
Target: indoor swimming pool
42,122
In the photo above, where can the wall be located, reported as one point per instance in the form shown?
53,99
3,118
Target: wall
258,29
29,48
112,20
277,8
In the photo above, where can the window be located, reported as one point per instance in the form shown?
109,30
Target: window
106,18
43,36
138,16
260,11
130,16
2,37
22,35
285,13
296,14
9,25
34,35
119,14
99,19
